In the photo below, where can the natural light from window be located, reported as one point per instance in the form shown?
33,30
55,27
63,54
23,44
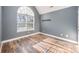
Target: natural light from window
25,19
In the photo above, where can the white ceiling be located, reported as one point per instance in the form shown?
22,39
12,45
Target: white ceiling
47,9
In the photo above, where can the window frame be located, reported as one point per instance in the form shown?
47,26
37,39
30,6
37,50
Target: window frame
32,29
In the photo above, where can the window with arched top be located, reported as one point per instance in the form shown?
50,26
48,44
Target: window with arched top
25,19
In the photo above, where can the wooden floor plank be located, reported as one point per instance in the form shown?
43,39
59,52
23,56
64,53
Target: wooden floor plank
39,43
50,41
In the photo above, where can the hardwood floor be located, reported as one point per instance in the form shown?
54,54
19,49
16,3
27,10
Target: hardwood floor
0,47
39,43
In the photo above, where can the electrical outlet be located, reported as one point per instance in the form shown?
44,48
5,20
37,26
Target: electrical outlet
61,34
67,35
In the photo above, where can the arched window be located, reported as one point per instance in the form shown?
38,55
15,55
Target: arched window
25,19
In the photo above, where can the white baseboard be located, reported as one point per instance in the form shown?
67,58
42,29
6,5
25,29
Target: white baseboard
40,33
68,40
19,37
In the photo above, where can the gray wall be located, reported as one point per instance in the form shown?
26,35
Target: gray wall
0,24
62,22
9,28
78,16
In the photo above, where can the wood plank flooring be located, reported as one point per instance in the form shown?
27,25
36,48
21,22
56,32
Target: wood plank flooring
39,43
0,47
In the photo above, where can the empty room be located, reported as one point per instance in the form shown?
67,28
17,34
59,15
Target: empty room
39,29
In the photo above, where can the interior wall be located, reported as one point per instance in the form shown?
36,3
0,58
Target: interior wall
63,23
78,24
0,24
9,25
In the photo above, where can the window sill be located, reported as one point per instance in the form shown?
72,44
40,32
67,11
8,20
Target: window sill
25,30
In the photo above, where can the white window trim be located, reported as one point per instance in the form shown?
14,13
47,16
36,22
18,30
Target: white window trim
28,29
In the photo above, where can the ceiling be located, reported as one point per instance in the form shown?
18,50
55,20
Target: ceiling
47,9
